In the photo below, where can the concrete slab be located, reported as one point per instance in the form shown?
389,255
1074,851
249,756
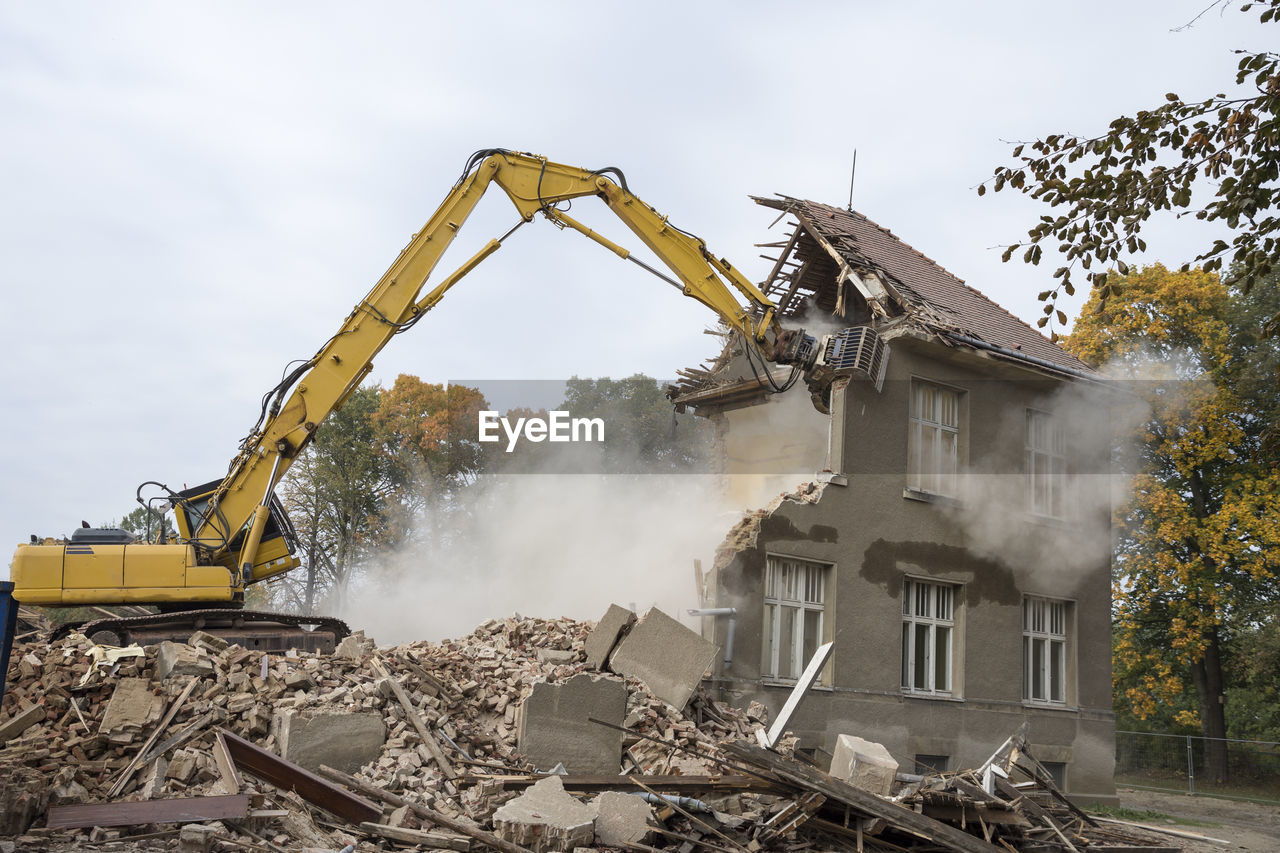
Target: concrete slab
621,819
344,740
546,818
132,706
668,657
864,764
555,727
602,639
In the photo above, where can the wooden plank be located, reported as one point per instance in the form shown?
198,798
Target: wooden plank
418,837
21,721
812,779
420,727
183,735
467,829
183,810
606,782
133,765
288,776
231,782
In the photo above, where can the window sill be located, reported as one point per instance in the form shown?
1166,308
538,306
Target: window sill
932,697
930,497
1032,704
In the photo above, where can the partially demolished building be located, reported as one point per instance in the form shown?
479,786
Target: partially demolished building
955,547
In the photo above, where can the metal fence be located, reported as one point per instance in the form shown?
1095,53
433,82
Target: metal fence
1239,769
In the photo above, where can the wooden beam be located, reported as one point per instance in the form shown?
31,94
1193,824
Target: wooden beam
182,810
288,776
812,779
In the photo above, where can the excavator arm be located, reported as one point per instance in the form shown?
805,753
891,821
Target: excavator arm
534,186
229,525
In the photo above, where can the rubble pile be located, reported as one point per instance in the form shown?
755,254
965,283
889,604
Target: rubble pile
505,739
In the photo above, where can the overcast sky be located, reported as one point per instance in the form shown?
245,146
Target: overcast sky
194,194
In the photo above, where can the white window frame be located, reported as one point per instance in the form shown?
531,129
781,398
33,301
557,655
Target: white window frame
1044,650
934,438
795,608
1046,464
928,633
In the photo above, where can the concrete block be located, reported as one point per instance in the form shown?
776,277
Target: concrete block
556,656
180,659
555,726
354,647
668,657
621,819
546,818
615,622
345,740
132,706
864,764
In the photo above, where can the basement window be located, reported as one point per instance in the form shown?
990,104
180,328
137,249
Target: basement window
795,597
933,444
1044,650
1058,772
929,764
928,634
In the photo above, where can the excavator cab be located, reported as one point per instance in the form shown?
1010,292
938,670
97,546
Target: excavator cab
279,540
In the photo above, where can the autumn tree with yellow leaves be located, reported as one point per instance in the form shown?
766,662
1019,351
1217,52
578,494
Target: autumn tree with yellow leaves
1198,546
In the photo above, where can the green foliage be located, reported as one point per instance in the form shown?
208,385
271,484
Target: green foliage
1216,158
146,524
643,433
1254,695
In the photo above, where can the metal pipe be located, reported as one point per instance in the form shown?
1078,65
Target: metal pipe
732,613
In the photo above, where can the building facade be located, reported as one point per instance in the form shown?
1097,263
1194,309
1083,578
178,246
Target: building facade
955,545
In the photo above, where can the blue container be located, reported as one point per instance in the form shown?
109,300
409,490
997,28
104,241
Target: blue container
8,626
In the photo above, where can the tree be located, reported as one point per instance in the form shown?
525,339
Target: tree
146,524
1198,541
1165,158
642,431
429,435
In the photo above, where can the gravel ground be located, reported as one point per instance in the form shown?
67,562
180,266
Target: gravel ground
1234,825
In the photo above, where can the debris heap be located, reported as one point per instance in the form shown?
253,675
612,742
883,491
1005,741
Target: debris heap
505,739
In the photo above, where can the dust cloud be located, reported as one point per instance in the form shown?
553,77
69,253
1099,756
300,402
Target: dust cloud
548,545
1095,424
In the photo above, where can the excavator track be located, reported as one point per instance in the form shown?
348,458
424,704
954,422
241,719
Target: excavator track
253,629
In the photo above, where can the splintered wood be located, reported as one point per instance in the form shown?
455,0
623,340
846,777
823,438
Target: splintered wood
208,743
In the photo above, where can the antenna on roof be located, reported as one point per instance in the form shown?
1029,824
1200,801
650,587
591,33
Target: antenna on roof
852,174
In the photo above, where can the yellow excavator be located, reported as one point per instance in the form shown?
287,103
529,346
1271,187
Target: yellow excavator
232,532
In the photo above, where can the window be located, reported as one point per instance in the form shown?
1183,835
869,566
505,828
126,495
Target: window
928,628
934,441
794,614
1044,650
928,764
1057,772
1046,464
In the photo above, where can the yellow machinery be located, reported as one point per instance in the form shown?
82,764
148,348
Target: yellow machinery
233,533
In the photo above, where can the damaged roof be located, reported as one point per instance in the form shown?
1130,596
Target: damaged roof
832,246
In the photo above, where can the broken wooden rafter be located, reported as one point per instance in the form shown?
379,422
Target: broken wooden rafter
288,776
808,778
